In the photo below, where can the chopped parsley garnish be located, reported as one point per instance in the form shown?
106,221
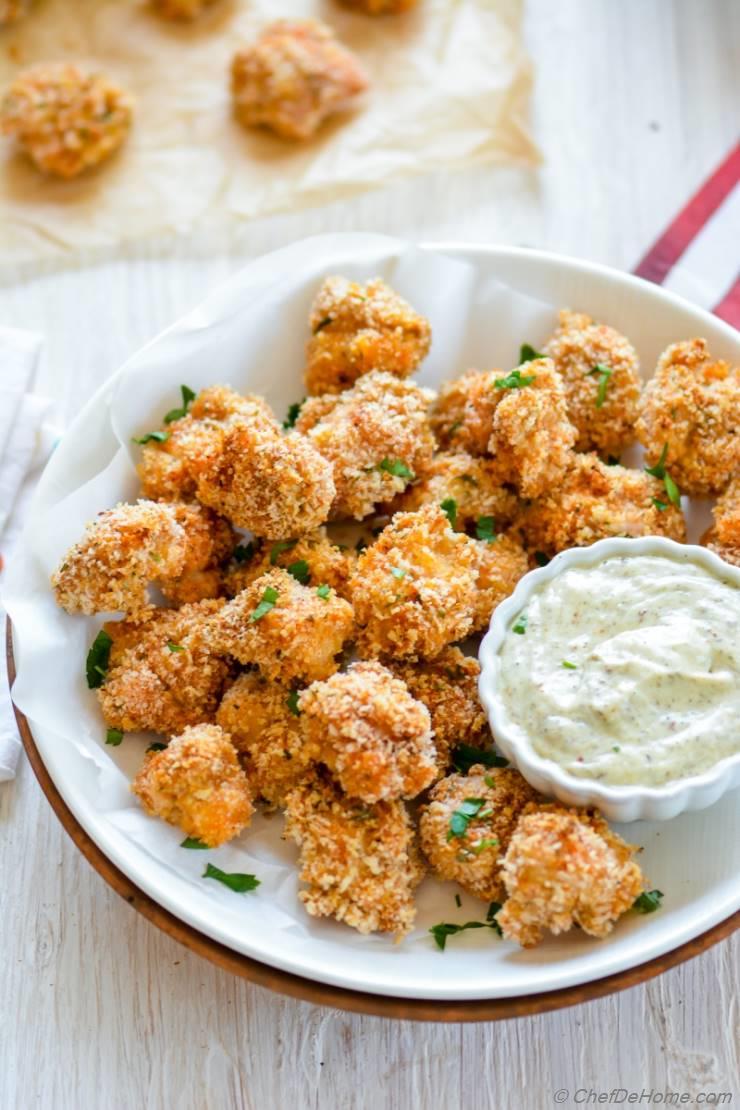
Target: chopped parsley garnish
449,508
188,396
463,815
157,746
465,756
300,571
447,929
514,380
244,551
541,559
486,842
113,736
458,900
569,666
267,603
194,842
605,373
323,592
613,460
528,354
98,656
322,324
396,467
234,880
674,494
293,413
661,506
398,572
648,902
361,545
174,647
156,437
521,625
485,529
491,912
292,703
278,548
455,428
659,471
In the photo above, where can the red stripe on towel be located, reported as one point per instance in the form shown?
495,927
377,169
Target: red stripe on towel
729,307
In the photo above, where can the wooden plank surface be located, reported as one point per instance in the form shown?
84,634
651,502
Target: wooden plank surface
636,102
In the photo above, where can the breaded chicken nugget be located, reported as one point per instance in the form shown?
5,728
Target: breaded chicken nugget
532,437
724,536
360,861
313,559
357,328
468,486
210,542
197,784
563,868
501,563
375,436
181,10
293,77
601,374
466,827
594,501
367,729
263,721
692,406
65,120
448,686
288,630
462,415
13,10
163,674
414,589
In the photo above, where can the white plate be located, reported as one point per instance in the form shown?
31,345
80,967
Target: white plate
694,859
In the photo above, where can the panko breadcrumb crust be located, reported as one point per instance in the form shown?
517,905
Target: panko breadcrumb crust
692,405
197,784
13,10
462,415
723,538
360,861
563,868
296,639
327,562
474,859
472,482
577,348
413,590
501,563
374,737
181,10
65,120
293,78
358,328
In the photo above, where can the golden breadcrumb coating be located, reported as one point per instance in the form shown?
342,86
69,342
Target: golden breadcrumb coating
128,547
472,482
197,784
288,630
470,849
563,868
13,10
357,328
594,501
532,437
724,536
603,415
501,564
293,77
413,590
65,120
692,405
360,861
163,675
181,10
374,737
210,542
381,7
462,415
265,729
325,562
448,686
375,436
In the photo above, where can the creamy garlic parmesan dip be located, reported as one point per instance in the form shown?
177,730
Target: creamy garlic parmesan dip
627,671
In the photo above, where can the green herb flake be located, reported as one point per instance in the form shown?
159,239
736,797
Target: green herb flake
300,571
267,603
485,529
449,508
528,354
463,815
96,666
514,380
294,412
482,845
243,552
397,468
661,506
521,624
176,648
322,324
113,736
616,748
458,900
194,842
605,373
323,592
398,572
659,471
361,545
541,559
569,666
674,494
447,929
188,396
234,880
151,437
465,756
491,912
292,703
157,746
648,902
279,548
613,460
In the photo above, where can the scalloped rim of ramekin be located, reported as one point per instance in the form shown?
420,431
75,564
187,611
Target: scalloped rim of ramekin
619,803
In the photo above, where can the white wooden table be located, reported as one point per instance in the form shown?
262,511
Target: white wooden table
636,103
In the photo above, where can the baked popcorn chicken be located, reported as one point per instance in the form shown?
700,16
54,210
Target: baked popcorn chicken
532,436
466,827
312,559
13,10
448,686
501,563
293,78
289,631
594,501
263,720
563,868
197,784
468,486
162,674
723,538
689,418
129,547
413,590
357,328
600,371
375,436
462,414
65,120
374,737
359,861
182,11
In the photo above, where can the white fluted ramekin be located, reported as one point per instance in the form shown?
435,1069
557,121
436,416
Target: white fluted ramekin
618,803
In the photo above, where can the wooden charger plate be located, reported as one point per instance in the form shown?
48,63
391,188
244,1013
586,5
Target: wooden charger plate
322,994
